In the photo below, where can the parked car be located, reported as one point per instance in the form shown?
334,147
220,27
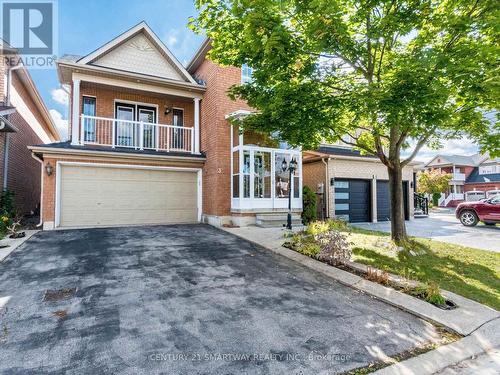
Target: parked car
487,211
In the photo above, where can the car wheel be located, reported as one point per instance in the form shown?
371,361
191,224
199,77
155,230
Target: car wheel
468,218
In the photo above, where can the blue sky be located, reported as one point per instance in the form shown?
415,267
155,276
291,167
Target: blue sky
86,25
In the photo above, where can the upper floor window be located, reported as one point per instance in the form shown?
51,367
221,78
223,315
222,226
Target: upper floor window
246,74
488,169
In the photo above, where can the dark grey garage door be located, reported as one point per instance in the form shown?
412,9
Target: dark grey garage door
384,200
352,200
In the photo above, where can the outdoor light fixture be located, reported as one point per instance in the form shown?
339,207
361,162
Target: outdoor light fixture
167,110
49,169
292,167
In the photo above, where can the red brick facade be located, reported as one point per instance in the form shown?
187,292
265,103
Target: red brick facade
23,172
215,135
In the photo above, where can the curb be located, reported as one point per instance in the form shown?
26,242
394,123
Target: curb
13,244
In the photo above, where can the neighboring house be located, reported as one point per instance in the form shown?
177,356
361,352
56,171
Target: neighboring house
472,176
24,120
354,187
151,143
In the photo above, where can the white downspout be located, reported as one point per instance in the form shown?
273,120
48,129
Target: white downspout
41,188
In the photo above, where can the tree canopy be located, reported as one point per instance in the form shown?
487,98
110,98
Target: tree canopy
393,75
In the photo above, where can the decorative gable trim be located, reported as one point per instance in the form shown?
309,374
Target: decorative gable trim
119,40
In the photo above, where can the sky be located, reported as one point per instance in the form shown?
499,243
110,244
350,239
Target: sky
87,25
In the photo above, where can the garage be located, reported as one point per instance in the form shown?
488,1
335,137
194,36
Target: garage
352,200
92,195
384,200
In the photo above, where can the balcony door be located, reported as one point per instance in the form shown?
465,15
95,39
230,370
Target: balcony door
129,117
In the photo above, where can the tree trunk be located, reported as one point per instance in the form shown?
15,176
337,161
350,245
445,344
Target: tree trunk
398,230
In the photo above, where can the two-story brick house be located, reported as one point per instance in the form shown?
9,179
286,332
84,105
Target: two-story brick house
473,177
24,120
151,143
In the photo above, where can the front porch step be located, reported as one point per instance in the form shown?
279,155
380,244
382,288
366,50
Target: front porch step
276,220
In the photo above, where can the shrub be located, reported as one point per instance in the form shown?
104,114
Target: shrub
337,224
334,247
317,227
377,276
7,203
310,249
309,210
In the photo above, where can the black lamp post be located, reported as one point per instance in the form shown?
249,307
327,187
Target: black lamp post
292,166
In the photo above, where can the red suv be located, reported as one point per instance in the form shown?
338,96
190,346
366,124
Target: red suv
487,211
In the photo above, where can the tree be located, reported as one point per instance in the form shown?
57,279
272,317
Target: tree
433,182
385,76
309,205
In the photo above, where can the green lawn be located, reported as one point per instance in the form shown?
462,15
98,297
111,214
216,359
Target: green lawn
470,272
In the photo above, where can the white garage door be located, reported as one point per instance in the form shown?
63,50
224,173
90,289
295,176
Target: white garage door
93,196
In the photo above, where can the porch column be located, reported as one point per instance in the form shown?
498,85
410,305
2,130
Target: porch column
197,125
75,123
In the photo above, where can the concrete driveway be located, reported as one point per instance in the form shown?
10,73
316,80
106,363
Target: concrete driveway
184,300
444,226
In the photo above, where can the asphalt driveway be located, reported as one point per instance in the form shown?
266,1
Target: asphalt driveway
184,300
444,226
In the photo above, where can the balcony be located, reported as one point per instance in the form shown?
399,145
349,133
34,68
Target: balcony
458,176
137,135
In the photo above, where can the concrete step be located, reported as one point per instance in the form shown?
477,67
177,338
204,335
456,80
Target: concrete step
275,220
420,215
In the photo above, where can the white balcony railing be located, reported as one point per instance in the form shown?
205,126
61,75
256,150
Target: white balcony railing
138,135
458,176
445,199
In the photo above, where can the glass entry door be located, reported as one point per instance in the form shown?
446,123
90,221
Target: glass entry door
125,132
148,115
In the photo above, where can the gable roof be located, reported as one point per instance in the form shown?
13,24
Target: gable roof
199,56
464,160
145,40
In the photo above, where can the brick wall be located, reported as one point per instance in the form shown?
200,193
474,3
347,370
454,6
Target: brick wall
215,135
313,174
23,177
482,186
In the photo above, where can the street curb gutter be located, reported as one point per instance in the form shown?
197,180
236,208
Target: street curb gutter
478,323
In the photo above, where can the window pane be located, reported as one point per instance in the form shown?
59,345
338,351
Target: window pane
341,195
246,74
262,175
236,186
236,162
341,206
342,184
342,217
246,186
282,185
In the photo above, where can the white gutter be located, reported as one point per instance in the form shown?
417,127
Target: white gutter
41,188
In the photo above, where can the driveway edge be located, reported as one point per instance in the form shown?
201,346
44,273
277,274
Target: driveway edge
13,244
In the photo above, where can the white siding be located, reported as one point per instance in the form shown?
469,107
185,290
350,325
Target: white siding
139,55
